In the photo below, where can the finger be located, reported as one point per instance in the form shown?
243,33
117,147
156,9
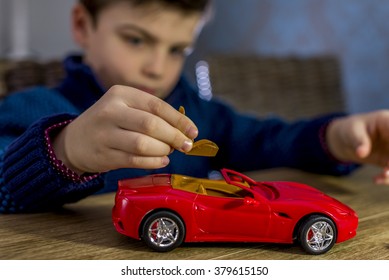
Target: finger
115,159
153,126
138,144
363,150
148,162
383,177
158,107
360,140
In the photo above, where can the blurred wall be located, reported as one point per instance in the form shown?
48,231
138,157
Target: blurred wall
356,31
48,27
3,21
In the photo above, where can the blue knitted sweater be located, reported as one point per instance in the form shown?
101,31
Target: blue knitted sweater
29,182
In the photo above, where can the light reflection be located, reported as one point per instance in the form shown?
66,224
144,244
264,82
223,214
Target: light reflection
203,80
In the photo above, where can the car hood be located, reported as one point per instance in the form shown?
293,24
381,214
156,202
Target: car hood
287,191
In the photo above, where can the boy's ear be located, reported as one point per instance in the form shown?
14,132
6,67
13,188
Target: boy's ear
81,25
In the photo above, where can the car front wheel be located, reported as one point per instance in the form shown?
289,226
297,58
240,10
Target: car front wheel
317,235
163,231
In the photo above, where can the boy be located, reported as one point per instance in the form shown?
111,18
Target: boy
115,115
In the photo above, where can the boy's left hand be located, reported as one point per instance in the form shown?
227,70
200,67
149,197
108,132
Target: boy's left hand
362,138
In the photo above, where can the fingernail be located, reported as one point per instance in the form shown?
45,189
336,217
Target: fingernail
192,132
165,161
187,146
171,150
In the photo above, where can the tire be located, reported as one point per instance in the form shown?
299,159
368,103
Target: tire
163,231
317,235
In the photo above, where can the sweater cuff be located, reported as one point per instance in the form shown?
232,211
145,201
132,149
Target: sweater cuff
7,205
29,177
329,162
324,145
57,164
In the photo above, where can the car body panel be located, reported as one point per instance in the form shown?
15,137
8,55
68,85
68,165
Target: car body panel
236,209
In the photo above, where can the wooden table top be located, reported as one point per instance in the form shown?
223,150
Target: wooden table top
84,230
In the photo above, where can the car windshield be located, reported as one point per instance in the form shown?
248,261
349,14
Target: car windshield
238,179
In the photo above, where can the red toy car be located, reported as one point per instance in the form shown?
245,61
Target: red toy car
165,210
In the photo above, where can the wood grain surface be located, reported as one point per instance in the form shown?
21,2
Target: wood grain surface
84,230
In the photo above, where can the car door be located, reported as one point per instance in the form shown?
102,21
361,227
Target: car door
232,217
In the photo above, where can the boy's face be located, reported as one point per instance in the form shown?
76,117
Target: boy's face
142,47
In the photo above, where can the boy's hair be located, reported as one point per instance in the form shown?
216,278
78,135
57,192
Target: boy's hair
94,7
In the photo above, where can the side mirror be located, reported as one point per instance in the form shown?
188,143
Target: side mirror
249,201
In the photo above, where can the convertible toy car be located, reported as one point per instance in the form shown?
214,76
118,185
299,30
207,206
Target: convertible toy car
165,210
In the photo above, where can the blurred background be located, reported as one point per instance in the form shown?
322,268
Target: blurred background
342,43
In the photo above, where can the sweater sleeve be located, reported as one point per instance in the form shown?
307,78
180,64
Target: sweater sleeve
28,180
250,143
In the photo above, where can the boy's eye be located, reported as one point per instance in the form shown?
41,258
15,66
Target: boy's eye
136,41
179,51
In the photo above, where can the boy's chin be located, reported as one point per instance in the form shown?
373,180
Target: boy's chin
148,90
161,95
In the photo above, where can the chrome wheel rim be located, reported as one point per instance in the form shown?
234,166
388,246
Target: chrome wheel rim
163,232
319,236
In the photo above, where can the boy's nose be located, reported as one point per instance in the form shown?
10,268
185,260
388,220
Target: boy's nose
155,65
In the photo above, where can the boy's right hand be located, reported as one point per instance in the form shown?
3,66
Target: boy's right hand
126,128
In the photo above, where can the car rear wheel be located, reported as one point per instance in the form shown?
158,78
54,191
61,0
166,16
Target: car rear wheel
317,235
163,231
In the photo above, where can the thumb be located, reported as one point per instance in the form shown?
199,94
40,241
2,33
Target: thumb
362,142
